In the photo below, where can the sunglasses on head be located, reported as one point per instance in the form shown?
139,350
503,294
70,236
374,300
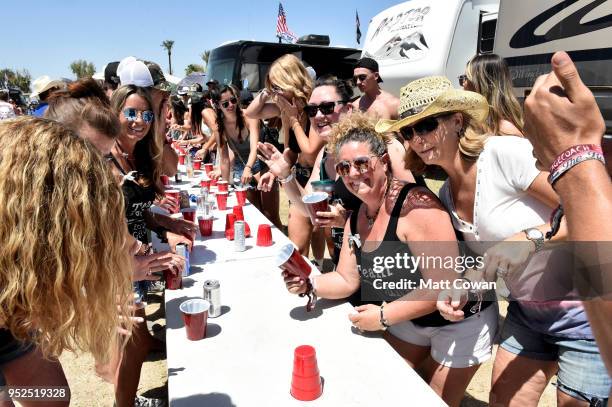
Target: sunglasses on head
423,127
226,103
132,115
360,78
325,108
361,164
462,79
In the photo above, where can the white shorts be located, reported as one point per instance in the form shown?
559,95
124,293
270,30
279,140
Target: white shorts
460,344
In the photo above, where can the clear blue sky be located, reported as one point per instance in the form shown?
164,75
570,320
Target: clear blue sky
44,37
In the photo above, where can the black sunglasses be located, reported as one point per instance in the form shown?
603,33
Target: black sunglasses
462,79
423,127
226,103
360,78
325,108
361,164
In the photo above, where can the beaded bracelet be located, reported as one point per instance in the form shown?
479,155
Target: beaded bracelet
572,157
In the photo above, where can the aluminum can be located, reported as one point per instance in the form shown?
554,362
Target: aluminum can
178,177
239,244
212,294
202,201
182,250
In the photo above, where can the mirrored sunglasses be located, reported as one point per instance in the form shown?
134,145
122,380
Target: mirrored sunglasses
361,164
132,115
325,108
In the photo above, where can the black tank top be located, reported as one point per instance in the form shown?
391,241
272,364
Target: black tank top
369,266
293,143
138,200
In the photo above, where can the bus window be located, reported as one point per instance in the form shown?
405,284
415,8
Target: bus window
250,72
221,70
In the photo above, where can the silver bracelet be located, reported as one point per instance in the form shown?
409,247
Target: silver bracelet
287,179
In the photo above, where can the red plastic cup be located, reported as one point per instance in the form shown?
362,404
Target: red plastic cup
222,200
173,282
213,182
165,179
230,218
289,259
264,235
306,380
316,202
189,214
174,194
195,316
222,186
206,225
205,183
241,194
182,159
238,212
208,168
197,164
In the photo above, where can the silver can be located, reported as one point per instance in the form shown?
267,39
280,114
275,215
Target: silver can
202,201
212,294
239,244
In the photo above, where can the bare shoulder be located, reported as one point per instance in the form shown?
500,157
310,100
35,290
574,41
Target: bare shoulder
420,198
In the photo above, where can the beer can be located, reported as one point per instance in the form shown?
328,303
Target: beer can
202,201
239,236
182,250
212,294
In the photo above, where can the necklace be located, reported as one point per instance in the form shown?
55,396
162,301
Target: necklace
127,156
371,219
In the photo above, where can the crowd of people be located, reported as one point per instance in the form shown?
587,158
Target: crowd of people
79,179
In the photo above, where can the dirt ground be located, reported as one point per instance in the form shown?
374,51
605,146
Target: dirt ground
90,391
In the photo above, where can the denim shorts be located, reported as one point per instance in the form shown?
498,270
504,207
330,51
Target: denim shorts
238,168
582,373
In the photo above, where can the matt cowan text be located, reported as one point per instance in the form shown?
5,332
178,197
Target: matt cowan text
406,284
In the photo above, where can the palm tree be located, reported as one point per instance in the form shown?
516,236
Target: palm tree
205,55
82,68
168,44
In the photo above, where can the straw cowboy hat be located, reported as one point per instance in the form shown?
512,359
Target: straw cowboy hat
43,84
431,96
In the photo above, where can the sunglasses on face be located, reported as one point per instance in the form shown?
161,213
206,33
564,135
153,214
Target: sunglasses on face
132,115
360,78
108,157
276,89
462,79
325,108
361,164
226,103
421,128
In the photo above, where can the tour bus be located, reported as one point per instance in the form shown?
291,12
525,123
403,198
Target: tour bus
248,62
420,38
529,32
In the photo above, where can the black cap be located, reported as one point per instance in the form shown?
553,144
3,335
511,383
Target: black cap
370,64
110,73
216,82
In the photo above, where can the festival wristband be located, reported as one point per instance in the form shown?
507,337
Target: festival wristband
572,157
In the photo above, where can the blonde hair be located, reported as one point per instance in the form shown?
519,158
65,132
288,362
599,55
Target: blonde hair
471,142
65,271
289,73
490,77
148,151
360,128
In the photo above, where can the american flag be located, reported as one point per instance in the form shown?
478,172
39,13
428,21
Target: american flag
282,31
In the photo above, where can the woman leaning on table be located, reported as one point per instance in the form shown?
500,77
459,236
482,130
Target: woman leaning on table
63,254
500,202
407,219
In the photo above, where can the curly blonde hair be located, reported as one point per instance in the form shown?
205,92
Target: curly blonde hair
360,128
65,269
289,73
148,151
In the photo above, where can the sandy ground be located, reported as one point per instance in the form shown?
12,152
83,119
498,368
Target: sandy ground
90,391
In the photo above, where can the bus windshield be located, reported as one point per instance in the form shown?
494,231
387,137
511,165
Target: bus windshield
221,70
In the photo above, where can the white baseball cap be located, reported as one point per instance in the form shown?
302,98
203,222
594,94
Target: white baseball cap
135,73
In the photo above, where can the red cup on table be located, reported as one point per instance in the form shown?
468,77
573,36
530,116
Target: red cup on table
206,225
205,183
164,179
189,214
208,168
264,235
173,281
175,195
241,196
290,260
197,164
306,380
222,200
195,316
222,186
213,182
182,159
316,202
238,212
